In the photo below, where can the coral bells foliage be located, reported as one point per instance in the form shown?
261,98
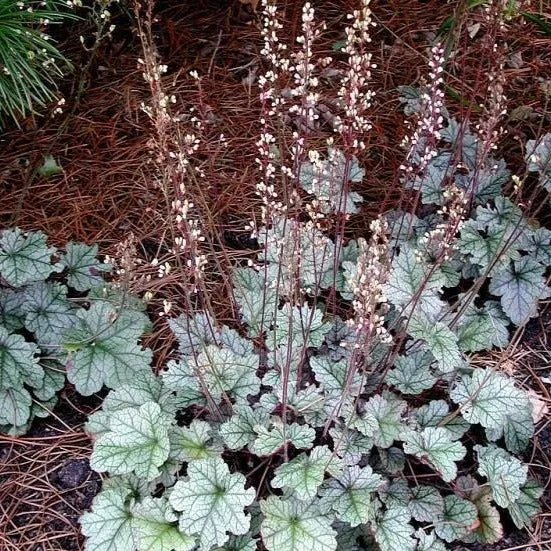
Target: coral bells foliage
341,408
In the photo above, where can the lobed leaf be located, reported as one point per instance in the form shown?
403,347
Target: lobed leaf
505,473
155,528
394,531
213,502
520,285
426,503
527,505
108,527
270,440
487,397
436,446
137,442
295,526
440,341
240,429
305,473
25,258
457,520
411,374
351,495
103,347
382,420
84,270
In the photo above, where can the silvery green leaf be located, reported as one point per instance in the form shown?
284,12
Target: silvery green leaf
155,528
457,520
517,430
53,381
339,339
84,269
293,525
296,250
213,501
429,542
302,325
437,413
43,408
504,214
193,333
25,258
104,348
144,387
270,440
403,227
108,526
481,328
48,312
15,406
180,377
349,444
407,277
539,246
194,442
461,139
393,531
411,374
487,397
351,494
231,339
397,494
136,442
440,341
238,543
392,459
225,371
18,362
257,300
382,420
238,431
505,473
334,376
485,245
347,537
538,158
426,503
430,183
524,509
305,473
435,445
118,297
486,182
11,312
520,285
309,403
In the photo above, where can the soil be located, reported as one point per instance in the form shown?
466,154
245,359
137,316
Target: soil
46,482
45,479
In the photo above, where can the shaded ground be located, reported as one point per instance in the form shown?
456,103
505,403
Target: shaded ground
106,191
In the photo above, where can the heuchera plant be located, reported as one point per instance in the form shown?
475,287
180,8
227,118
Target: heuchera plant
281,431
58,317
